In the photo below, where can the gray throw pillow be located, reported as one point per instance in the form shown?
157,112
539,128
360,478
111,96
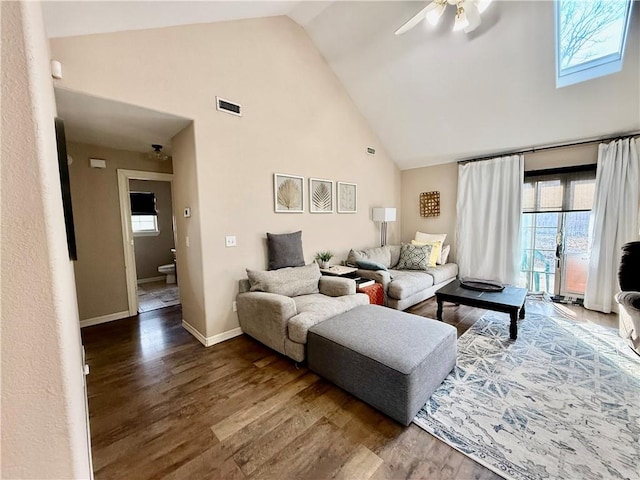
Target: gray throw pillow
414,257
285,250
370,265
290,281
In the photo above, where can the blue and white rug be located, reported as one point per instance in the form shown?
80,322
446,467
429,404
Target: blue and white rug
561,402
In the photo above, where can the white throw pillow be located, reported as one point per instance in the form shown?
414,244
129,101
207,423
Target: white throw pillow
432,237
444,255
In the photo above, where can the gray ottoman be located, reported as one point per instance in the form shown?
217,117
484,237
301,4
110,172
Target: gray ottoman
392,360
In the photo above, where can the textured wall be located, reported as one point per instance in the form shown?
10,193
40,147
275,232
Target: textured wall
44,423
100,270
297,119
155,250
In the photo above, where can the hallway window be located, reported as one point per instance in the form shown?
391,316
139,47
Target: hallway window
144,224
144,216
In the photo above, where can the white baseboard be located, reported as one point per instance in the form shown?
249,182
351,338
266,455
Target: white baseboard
104,319
209,341
151,279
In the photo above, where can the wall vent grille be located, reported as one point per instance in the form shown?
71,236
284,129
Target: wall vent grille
226,106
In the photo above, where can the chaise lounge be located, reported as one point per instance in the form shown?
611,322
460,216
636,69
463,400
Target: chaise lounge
278,307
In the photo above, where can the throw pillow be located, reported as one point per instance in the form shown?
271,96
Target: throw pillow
444,256
370,265
285,250
288,281
414,257
435,251
431,237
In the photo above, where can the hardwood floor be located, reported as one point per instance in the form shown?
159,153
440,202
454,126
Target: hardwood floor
163,406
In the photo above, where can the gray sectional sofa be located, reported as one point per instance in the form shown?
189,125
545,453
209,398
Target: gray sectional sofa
402,288
278,307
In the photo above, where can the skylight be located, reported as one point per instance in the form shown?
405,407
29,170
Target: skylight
590,38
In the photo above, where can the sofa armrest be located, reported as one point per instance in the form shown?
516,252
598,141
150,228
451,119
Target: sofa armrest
379,276
336,286
265,316
629,300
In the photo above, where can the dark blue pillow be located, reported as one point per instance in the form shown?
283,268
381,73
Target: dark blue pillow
370,265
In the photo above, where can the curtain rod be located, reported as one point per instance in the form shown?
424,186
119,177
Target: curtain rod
551,147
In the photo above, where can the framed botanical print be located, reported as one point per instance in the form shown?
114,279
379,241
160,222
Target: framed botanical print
320,195
347,197
288,193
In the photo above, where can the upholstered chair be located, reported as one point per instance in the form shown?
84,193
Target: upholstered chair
629,297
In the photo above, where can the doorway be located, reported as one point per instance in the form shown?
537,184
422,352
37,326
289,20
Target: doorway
555,231
148,231
154,245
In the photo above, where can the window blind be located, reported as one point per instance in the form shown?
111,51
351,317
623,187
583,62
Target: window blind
559,190
143,203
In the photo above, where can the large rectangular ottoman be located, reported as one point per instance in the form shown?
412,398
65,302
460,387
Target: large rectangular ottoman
390,359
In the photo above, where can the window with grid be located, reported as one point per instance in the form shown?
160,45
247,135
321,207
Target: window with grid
556,205
144,216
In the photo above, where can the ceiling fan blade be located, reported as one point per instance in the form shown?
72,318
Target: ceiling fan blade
414,21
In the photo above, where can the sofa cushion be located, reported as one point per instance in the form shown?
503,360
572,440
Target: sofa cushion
285,250
414,257
395,254
380,255
442,273
313,309
406,283
290,281
370,265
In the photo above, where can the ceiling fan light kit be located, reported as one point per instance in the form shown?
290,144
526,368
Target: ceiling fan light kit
467,14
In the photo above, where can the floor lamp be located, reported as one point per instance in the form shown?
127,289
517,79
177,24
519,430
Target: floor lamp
384,215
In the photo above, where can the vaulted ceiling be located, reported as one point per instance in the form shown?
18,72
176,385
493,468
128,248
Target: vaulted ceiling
431,95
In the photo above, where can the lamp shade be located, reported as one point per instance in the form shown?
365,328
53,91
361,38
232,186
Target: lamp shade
384,214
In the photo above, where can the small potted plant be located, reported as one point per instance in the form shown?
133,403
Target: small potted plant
322,258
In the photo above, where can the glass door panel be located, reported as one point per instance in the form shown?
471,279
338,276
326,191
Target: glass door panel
575,255
538,263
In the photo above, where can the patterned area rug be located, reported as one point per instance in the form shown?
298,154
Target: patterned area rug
562,401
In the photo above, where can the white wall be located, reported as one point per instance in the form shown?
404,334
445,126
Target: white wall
297,119
44,423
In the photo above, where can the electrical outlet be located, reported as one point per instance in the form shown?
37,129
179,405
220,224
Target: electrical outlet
234,306
230,241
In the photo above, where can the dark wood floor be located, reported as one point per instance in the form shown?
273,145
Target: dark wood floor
163,406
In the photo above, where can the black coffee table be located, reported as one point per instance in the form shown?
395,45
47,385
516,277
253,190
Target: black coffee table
510,300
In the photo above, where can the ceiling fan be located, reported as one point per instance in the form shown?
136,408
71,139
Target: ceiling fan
467,14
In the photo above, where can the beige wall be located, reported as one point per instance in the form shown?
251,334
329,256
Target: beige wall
297,119
155,250
444,178
44,422
189,259
100,270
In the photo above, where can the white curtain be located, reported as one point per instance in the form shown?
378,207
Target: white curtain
489,209
614,219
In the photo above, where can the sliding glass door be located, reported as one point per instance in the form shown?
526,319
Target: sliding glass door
555,230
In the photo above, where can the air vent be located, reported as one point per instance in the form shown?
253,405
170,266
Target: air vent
371,151
228,107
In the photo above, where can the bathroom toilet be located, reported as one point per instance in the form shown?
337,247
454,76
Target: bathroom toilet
170,271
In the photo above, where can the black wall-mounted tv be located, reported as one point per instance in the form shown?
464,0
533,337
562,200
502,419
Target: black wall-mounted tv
63,167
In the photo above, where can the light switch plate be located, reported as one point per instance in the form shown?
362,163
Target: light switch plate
230,241
187,212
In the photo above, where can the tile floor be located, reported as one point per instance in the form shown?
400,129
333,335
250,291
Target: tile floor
152,296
